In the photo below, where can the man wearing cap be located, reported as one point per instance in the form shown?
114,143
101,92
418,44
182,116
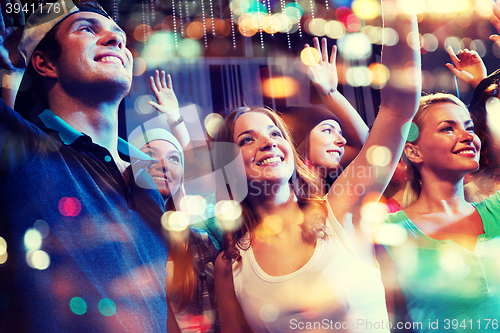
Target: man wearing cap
80,243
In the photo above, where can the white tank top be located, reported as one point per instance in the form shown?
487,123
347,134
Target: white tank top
334,290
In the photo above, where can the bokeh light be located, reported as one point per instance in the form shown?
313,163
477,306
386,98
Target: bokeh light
366,9
389,234
479,46
379,74
70,206
107,307
317,27
389,37
32,239
280,87
229,214
189,48
378,155
139,66
430,42
358,76
271,24
3,251
195,30
411,129
269,313
143,32
334,29
411,7
38,259
272,224
42,227
310,56
193,204
78,305
175,221
212,124
455,43
294,11
141,104
355,46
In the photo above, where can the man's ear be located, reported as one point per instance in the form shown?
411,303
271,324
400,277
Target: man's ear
413,153
42,65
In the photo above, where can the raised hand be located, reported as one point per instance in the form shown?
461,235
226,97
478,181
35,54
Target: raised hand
10,35
324,75
467,66
164,93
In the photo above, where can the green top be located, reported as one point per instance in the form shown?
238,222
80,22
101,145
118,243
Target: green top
447,287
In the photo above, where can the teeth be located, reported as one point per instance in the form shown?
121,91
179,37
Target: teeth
160,178
467,151
270,160
111,59
336,153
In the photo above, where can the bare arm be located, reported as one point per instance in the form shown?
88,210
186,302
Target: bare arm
467,66
399,103
324,77
230,313
161,86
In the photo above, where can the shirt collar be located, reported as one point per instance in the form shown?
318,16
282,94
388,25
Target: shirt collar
69,135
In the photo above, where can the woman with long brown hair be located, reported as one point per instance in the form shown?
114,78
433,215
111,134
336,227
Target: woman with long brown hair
298,260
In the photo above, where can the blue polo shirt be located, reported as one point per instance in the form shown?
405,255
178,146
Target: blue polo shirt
84,251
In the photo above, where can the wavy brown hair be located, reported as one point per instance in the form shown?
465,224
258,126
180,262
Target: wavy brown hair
303,183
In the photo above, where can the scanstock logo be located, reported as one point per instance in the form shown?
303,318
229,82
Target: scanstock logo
227,183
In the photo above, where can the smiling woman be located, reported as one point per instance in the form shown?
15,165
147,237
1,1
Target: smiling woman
448,238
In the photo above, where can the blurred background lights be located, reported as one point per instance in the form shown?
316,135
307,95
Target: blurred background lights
389,234
70,206
175,220
228,210
193,204
479,46
378,155
411,129
366,9
38,259
139,66
228,213
310,56
78,305
3,251
161,46
412,7
389,36
317,27
42,227
334,29
430,42
212,123
379,74
355,46
448,6
358,76
32,239
272,224
107,307
455,43
269,313
189,48
294,11
141,104
280,87
142,32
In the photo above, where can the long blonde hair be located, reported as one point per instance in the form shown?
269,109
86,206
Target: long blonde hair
414,181
303,183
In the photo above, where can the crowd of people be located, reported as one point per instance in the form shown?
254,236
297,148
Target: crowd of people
87,218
